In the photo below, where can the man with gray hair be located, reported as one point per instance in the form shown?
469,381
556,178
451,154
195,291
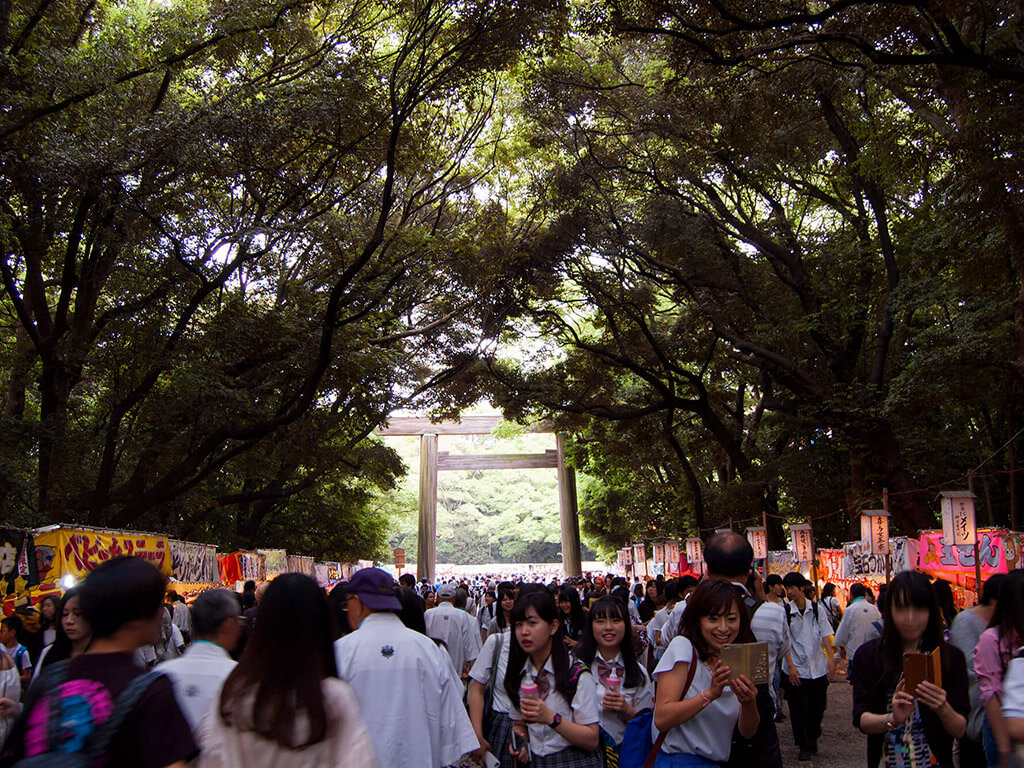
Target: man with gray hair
199,674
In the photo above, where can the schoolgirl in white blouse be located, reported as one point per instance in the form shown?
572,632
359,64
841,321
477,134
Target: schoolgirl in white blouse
700,724
606,647
558,727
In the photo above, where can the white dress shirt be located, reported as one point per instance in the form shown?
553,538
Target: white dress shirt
709,732
855,628
806,635
481,671
639,697
458,630
410,703
584,710
198,676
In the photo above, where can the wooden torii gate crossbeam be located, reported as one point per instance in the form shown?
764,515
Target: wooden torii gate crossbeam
431,462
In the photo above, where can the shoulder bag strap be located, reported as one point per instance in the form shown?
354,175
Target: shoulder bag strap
661,734
123,705
494,660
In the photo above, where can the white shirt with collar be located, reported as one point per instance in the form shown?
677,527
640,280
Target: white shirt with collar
458,630
638,696
709,732
857,626
481,671
584,710
806,635
197,677
409,701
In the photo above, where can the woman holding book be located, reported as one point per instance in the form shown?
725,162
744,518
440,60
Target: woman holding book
910,727
699,718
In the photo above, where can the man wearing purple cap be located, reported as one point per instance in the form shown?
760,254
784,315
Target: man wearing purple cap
411,703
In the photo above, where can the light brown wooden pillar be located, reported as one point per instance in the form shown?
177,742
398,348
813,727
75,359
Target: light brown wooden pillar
572,556
426,550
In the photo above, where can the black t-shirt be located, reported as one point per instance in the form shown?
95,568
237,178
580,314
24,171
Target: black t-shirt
154,735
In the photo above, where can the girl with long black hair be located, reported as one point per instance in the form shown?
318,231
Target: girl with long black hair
283,704
622,686
571,613
558,720
909,727
502,616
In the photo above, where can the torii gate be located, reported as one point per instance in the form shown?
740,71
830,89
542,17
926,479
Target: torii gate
431,462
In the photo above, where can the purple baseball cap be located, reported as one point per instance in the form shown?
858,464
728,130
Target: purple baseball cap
375,588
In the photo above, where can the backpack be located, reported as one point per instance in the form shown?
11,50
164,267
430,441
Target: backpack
789,612
74,739
832,613
19,658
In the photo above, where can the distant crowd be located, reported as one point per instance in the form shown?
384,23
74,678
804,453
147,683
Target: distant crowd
584,673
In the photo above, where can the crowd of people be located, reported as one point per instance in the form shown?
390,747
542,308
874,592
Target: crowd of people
586,673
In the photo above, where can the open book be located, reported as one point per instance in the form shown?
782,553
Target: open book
750,659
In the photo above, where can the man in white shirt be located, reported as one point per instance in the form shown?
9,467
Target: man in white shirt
861,622
199,674
809,665
456,628
410,701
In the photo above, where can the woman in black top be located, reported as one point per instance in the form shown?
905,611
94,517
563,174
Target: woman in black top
907,725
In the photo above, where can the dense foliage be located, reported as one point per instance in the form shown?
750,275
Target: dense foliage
759,258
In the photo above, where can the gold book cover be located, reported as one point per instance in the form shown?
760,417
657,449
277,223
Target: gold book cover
750,659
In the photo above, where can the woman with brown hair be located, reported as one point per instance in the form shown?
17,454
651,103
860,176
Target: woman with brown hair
283,706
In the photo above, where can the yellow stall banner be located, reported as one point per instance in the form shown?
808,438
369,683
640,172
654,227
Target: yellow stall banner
69,551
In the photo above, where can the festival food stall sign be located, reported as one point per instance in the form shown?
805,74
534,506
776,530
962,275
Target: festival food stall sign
69,554
275,562
860,565
300,564
998,552
194,563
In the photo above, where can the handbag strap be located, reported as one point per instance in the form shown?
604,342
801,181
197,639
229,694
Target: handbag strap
494,660
661,734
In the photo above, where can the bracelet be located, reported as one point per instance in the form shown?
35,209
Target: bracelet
705,701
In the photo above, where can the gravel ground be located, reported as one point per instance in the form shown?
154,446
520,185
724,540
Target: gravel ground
840,745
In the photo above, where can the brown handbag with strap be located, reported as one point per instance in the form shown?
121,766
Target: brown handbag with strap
661,734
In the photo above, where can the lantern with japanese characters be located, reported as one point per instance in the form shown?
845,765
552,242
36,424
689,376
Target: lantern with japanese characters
958,525
803,542
874,530
695,554
659,552
758,539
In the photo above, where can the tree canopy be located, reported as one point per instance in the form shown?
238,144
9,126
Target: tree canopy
759,259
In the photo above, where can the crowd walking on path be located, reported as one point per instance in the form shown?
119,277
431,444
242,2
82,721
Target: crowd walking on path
682,673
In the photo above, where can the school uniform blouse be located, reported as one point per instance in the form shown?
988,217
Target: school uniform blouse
481,670
709,732
639,697
584,710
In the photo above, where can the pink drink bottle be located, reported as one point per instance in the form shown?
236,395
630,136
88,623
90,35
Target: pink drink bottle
528,690
613,684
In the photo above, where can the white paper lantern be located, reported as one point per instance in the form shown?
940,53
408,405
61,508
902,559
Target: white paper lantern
758,538
958,524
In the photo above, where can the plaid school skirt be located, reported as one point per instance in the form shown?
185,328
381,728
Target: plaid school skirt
499,736
570,757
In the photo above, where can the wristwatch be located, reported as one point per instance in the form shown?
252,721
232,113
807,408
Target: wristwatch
556,722
889,724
